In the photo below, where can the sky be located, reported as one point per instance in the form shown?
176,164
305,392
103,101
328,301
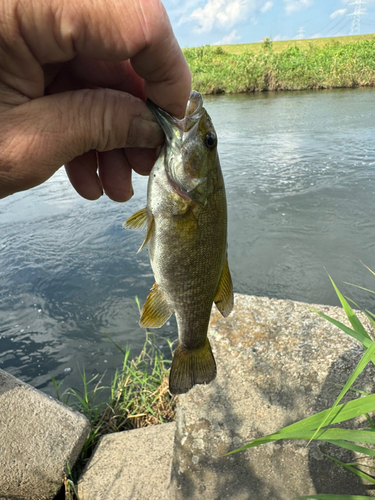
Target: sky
210,22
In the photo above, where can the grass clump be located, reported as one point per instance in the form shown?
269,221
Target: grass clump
297,67
138,396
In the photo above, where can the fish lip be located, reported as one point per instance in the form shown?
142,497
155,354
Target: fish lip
172,125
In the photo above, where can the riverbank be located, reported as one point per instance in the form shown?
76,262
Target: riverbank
297,66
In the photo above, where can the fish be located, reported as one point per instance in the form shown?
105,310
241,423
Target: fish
186,233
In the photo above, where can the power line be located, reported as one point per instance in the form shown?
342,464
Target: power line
333,19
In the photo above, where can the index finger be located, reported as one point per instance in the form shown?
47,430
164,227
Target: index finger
110,30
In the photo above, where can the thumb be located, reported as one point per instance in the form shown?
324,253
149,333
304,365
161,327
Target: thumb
39,136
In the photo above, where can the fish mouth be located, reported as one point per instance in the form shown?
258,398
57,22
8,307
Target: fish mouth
176,132
174,128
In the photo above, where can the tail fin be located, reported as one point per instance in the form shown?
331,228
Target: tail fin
190,367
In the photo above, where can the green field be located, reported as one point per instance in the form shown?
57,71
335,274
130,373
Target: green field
288,65
302,44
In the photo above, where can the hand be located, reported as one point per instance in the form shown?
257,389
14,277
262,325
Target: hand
74,75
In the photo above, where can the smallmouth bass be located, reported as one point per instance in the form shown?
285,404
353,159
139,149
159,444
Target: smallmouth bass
186,221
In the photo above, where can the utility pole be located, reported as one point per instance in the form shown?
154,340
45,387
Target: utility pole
358,12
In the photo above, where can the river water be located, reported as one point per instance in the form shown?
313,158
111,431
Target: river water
299,169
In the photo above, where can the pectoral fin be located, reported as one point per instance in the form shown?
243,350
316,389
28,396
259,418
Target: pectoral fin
156,310
141,220
137,220
150,228
224,295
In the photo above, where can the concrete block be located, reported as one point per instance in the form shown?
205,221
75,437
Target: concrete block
278,362
38,437
128,465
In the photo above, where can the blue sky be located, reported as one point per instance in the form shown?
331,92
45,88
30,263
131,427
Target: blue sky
201,22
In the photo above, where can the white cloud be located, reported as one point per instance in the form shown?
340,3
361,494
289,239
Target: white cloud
221,13
266,6
296,5
278,38
338,13
229,38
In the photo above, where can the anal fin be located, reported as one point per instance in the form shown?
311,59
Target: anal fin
224,295
156,310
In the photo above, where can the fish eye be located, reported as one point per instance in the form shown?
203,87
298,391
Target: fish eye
210,140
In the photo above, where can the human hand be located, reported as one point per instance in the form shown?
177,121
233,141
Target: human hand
73,79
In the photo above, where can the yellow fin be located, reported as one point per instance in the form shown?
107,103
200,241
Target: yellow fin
190,367
137,220
156,310
224,295
150,228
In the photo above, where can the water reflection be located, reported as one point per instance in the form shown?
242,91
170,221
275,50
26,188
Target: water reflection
299,171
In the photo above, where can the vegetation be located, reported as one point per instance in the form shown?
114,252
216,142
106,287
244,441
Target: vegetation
272,66
321,426
138,397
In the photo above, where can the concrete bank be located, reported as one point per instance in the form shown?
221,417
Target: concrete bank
38,438
277,362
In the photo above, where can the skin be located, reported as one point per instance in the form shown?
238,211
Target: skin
73,80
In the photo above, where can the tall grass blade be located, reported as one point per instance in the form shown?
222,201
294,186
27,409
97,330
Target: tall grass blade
358,370
332,497
355,322
356,471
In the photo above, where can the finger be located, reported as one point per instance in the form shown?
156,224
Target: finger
83,177
116,175
36,138
119,75
112,30
141,160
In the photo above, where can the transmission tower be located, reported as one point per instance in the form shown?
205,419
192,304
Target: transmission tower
300,34
358,12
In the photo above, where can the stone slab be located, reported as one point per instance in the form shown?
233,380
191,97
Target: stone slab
278,362
128,465
38,437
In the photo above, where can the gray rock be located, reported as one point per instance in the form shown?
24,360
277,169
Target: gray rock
278,362
38,437
130,465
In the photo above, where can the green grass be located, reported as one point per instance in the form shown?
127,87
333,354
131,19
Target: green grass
298,65
319,426
138,396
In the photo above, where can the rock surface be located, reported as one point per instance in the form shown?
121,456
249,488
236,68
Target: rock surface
130,465
38,437
278,362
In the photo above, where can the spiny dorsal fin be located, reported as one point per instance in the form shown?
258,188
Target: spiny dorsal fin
224,295
190,367
137,220
150,228
156,310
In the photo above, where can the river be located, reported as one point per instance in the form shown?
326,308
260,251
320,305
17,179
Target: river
299,169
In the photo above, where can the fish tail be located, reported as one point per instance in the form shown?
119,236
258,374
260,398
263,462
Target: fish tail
190,367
